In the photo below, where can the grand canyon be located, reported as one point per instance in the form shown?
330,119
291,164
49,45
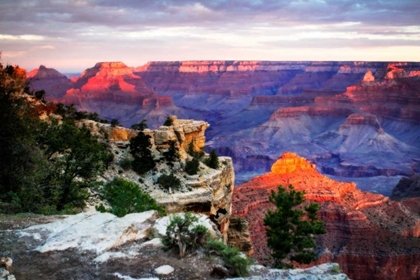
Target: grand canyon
357,121
346,133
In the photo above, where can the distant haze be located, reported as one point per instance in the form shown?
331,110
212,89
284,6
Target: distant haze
72,35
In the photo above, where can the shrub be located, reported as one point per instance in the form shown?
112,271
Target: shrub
191,166
335,269
125,163
126,197
231,256
182,234
169,181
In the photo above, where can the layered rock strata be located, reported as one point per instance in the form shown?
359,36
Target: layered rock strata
264,108
208,192
362,228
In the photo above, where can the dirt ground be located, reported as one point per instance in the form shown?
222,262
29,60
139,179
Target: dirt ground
74,264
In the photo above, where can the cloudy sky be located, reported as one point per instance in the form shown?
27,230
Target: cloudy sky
72,35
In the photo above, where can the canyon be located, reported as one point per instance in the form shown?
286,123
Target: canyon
369,235
347,117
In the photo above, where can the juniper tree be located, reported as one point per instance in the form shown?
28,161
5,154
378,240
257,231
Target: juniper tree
291,228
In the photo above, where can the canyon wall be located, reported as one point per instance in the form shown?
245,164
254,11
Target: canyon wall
260,109
370,236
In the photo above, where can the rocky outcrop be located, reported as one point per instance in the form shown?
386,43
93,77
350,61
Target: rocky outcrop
50,80
407,187
238,235
6,269
330,271
208,192
360,226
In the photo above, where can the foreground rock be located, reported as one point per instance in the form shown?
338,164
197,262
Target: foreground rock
98,246
327,271
370,236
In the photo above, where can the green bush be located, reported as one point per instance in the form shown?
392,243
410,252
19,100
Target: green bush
191,166
169,181
182,234
335,269
231,256
125,163
126,197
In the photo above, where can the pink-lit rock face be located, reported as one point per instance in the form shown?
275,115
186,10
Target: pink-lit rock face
260,109
360,226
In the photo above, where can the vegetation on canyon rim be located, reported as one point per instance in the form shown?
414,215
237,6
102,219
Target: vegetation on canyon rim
46,167
53,166
184,234
290,230
125,197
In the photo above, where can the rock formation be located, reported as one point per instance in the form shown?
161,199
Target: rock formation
263,108
362,228
101,246
208,192
50,80
407,187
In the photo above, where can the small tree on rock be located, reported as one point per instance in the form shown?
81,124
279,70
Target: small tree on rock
171,155
213,160
140,149
114,123
181,232
169,121
290,230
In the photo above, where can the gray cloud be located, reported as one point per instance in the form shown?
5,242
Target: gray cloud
74,27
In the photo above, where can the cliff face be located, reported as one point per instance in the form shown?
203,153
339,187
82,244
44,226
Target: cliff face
110,89
53,82
208,192
264,108
370,236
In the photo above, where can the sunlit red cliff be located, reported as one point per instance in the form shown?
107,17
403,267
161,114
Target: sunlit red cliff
369,235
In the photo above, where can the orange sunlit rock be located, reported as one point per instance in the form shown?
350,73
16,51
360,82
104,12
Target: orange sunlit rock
359,225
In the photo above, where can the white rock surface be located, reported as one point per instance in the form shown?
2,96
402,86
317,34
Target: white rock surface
125,277
93,231
164,270
320,272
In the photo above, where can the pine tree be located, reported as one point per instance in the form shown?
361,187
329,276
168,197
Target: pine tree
213,160
140,149
290,230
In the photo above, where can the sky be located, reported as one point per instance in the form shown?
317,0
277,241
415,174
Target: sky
72,35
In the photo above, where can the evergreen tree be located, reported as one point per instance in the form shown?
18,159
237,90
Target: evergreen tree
114,123
44,166
191,166
140,149
213,160
290,230
169,121
140,126
171,155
